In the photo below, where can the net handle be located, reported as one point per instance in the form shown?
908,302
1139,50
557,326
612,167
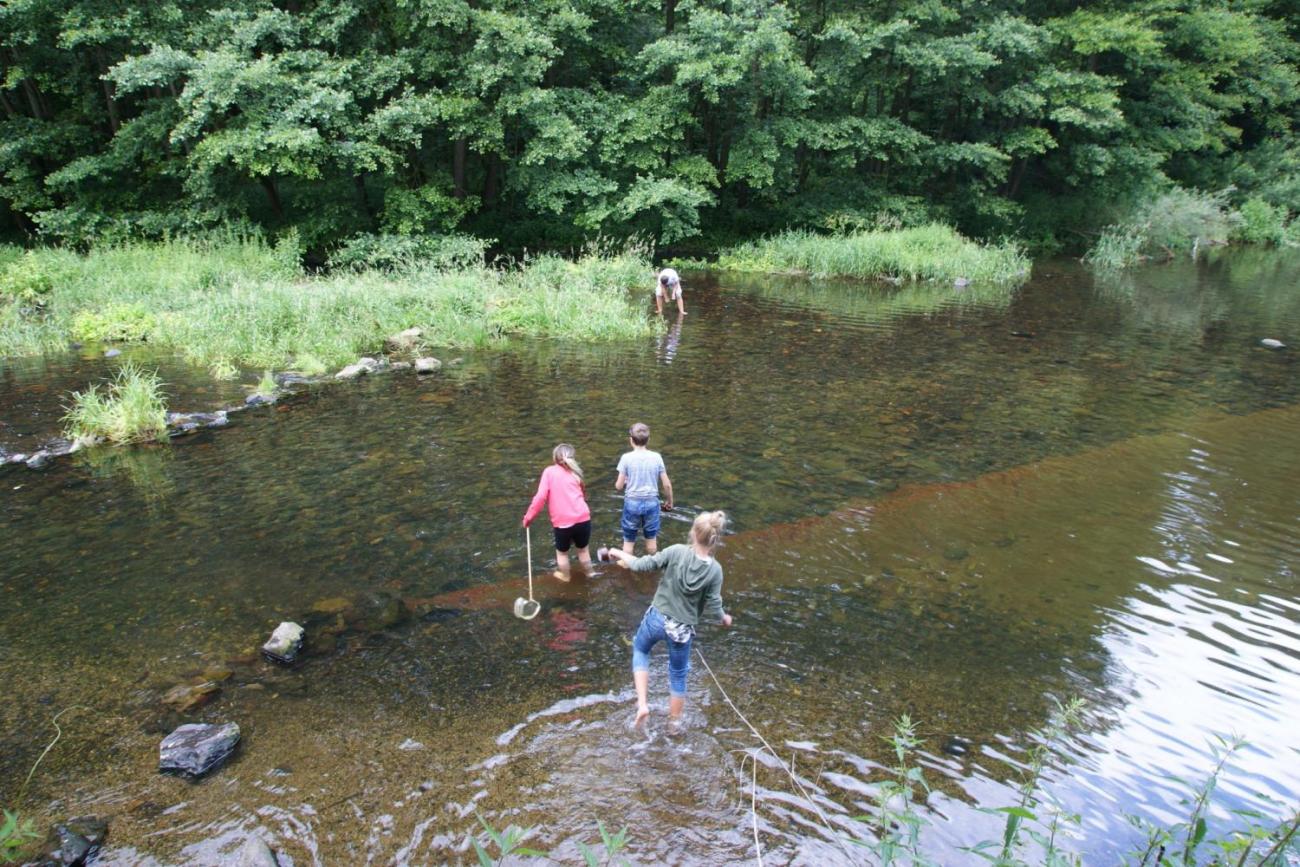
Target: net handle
528,540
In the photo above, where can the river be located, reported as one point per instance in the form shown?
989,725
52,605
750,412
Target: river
961,504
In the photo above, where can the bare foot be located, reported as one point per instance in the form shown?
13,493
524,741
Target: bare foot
642,711
560,576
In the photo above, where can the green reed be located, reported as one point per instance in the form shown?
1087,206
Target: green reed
930,252
131,409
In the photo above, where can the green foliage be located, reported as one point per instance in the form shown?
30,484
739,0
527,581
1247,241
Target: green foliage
116,323
25,280
931,252
540,124
506,843
1262,223
898,822
240,303
1175,223
409,253
15,835
130,410
266,386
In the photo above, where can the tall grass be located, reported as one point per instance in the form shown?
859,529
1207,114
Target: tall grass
244,302
130,410
931,252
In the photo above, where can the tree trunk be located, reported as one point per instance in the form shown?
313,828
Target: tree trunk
670,15
114,123
10,111
359,184
1017,176
458,168
272,195
490,179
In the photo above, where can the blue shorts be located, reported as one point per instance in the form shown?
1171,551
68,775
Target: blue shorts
640,515
650,633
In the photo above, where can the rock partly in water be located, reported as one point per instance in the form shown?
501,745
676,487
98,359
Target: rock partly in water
362,367
181,423
1270,343
399,365
284,644
196,748
112,353
259,399
407,339
38,460
185,697
284,380
76,841
427,365
961,282
256,853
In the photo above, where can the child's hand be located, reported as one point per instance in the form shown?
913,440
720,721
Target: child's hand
726,620
524,523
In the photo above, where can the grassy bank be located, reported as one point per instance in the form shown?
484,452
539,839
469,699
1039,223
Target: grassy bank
933,252
245,302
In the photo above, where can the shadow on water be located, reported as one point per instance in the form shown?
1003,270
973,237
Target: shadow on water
951,505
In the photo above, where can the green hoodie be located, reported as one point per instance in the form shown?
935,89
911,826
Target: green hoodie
690,586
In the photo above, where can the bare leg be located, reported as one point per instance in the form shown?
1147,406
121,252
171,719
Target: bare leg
681,306
561,565
659,304
676,704
642,681
628,546
584,557
651,545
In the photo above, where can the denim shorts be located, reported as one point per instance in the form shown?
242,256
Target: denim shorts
648,634
640,515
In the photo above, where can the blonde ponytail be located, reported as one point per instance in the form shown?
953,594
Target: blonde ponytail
708,528
564,455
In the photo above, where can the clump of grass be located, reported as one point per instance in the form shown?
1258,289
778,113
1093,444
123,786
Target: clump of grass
131,409
240,303
930,252
25,280
223,370
1262,223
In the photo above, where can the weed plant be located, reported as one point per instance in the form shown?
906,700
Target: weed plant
131,409
929,252
241,302
15,834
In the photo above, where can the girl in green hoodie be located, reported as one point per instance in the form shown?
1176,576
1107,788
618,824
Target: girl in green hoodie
690,588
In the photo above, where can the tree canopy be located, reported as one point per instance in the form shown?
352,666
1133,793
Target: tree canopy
545,122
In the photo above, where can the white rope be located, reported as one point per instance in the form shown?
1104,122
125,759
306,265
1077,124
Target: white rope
788,771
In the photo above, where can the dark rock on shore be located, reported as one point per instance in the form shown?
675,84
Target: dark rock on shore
196,748
76,841
284,380
285,643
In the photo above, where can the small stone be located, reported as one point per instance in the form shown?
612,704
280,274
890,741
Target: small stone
333,605
185,697
112,353
256,853
259,399
427,364
410,745
79,840
217,673
1270,343
196,748
284,644
961,282
956,746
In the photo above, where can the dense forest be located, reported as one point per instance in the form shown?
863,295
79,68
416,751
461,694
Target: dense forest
547,122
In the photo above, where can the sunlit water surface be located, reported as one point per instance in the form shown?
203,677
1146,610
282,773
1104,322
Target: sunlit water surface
957,504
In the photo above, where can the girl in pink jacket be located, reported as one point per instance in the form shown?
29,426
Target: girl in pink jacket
561,486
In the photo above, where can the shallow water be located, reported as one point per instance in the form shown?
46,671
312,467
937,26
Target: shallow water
956,504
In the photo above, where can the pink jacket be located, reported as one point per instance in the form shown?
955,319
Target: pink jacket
566,495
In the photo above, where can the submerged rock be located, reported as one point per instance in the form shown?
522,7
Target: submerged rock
196,748
427,365
1270,343
77,840
366,611
186,697
284,644
256,853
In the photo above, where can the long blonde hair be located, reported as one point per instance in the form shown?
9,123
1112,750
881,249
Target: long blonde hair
708,528
564,455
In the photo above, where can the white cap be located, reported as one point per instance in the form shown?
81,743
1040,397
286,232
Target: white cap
669,277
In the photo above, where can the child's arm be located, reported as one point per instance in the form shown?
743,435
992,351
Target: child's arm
539,499
713,603
639,564
621,482
668,489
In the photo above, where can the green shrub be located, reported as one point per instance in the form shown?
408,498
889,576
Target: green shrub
15,834
130,410
117,323
26,280
1176,222
408,253
1262,223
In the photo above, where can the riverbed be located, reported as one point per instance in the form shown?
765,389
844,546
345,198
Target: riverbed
963,504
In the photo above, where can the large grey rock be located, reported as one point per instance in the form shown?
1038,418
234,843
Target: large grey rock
256,853
427,365
407,339
1270,343
284,644
180,423
361,368
196,748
